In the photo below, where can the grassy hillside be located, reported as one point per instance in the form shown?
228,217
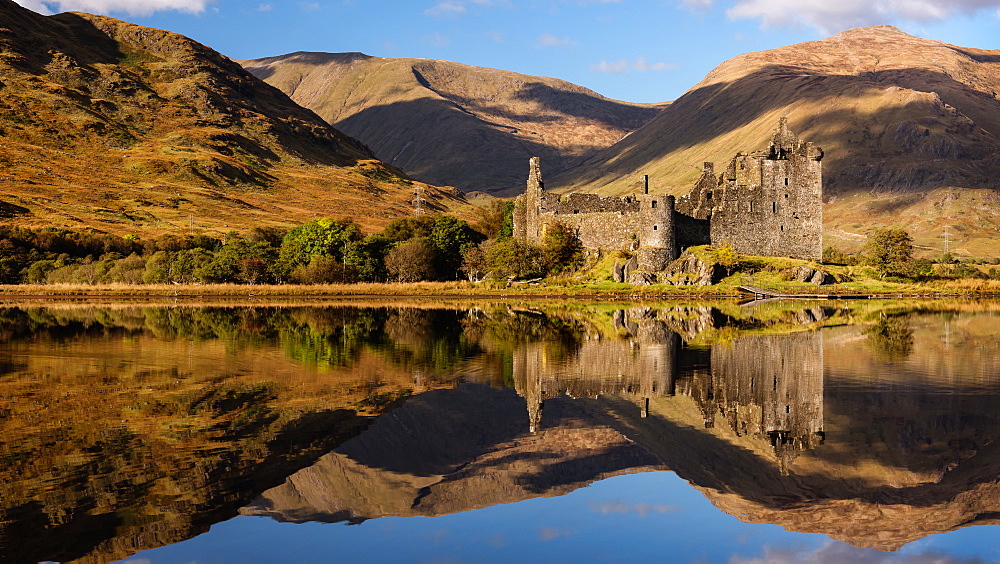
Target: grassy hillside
128,129
453,124
910,128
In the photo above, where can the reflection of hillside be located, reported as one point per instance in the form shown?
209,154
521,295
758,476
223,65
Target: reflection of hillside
902,458
454,450
130,428
200,410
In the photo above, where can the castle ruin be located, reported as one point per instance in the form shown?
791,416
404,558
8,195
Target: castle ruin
767,202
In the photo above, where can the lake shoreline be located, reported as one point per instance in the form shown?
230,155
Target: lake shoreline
438,291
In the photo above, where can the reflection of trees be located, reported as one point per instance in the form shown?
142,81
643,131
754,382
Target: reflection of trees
891,338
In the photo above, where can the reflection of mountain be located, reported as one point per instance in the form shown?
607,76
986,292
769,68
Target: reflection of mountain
901,460
203,409
454,450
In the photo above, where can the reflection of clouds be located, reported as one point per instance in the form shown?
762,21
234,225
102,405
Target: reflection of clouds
552,533
834,552
498,540
438,536
641,509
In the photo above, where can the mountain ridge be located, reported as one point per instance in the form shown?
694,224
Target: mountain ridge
127,129
449,123
910,128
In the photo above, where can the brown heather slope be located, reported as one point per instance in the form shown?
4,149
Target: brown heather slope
453,124
128,129
910,127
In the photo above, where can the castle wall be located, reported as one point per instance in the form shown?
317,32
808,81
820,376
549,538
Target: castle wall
765,203
771,207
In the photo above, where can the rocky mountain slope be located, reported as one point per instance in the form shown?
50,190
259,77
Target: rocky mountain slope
129,129
453,124
910,128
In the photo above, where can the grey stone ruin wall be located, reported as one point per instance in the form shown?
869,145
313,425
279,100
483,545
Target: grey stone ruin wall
771,202
643,223
766,203
779,214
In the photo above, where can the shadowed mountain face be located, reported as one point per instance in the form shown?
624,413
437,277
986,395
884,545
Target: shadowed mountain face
124,128
452,124
910,128
454,450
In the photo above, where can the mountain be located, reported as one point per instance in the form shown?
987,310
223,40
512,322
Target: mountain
129,129
453,124
910,128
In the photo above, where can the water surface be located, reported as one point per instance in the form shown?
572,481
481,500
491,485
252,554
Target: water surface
491,432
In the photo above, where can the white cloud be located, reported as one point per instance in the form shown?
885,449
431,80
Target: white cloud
549,40
697,5
552,533
497,35
830,17
265,8
309,6
446,9
641,509
613,67
35,6
130,7
641,65
835,552
623,66
437,39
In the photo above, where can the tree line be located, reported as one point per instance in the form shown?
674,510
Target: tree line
325,250
890,252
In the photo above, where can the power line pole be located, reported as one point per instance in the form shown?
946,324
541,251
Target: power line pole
418,200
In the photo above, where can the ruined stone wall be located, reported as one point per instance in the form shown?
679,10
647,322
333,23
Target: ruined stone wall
643,223
771,207
765,203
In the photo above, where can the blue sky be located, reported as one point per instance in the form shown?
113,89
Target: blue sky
633,50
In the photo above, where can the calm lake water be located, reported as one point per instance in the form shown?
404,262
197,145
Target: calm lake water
498,432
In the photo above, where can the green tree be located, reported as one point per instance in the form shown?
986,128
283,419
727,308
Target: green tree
406,228
320,237
239,261
158,268
451,238
496,221
411,261
889,251
561,249
513,258
188,263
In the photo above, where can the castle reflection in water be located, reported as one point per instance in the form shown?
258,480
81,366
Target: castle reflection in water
769,387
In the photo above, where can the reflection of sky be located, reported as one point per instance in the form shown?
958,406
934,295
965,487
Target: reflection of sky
654,516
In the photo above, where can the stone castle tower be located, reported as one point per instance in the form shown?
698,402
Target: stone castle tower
766,202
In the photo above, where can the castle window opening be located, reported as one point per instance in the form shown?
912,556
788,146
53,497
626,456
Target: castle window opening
654,203
750,207
654,228
786,184
708,195
774,207
576,211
